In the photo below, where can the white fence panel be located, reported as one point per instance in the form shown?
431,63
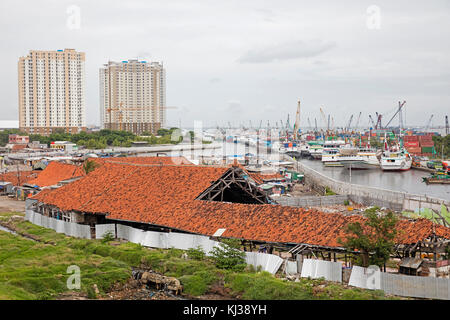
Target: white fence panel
152,239
328,270
102,229
123,232
365,278
60,226
291,267
268,262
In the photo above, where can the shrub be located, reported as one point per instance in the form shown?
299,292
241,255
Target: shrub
227,255
108,237
196,253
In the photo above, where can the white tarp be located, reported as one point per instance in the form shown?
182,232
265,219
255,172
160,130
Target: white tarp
328,270
60,226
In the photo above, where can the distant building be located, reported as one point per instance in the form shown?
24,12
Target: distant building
15,138
51,91
133,96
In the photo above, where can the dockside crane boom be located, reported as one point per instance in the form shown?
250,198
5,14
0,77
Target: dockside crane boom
427,126
400,106
357,121
323,116
349,123
371,120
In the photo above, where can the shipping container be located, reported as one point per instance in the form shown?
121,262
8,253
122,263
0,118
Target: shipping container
427,149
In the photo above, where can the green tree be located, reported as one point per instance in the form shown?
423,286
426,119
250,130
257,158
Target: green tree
227,255
89,166
374,240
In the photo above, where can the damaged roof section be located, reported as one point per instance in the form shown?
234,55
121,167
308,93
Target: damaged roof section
55,172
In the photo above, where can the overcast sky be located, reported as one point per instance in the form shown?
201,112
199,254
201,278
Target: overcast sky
250,59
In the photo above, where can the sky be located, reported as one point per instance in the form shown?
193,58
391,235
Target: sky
250,60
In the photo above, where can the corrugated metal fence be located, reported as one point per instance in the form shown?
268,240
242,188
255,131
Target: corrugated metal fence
401,285
312,201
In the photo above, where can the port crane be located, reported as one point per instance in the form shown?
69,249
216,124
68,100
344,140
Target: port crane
399,110
446,126
357,121
297,121
324,118
378,125
371,120
349,123
427,126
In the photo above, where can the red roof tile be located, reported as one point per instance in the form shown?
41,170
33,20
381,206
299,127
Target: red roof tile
19,178
55,172
165,195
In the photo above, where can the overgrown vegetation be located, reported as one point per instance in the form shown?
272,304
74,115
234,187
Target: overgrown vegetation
329,192
439,142
38,270
227,255
374,240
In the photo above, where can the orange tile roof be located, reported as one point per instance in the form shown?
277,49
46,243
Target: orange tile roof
55,172
21,178
165,195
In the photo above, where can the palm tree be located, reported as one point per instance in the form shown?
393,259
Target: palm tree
89,166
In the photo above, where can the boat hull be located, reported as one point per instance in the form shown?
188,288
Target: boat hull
359,165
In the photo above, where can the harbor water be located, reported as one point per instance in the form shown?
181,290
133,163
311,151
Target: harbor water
404,181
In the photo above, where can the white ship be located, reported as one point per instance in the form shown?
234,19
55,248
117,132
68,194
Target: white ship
359,158
330,153
396,158
399,160
316,151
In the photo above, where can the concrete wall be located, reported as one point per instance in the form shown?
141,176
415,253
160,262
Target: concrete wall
312,201
394,200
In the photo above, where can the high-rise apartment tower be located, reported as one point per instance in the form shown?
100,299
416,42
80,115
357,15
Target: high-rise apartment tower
51,91
133,96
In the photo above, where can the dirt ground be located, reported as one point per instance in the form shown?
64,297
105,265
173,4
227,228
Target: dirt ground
8,204
302,190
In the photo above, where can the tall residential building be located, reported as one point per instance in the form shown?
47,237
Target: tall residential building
51,91
133,96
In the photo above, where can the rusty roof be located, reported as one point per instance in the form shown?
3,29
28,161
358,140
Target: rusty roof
19,177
